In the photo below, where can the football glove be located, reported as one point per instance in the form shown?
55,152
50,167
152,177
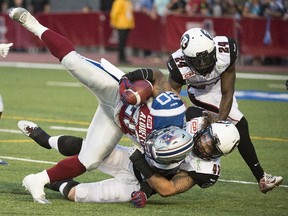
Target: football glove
124,84
4,49
135,147
139,199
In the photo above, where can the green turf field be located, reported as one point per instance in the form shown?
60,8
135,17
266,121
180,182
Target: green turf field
39,95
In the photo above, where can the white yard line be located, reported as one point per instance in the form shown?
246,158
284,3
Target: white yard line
165,71
50,162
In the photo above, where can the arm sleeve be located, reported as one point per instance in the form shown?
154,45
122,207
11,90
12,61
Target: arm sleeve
140,74
174,72
233,50
203,180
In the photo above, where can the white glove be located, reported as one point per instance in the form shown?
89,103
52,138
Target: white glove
134,147
4,49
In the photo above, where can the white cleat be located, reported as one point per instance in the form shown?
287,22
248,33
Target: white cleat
22,16
269,182
27,127
34,185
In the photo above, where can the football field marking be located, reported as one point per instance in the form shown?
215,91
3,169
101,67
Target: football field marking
77,129
50,162
164,70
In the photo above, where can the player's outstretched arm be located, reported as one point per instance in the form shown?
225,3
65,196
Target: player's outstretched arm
180,183
155,76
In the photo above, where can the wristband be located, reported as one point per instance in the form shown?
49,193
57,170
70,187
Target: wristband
140,74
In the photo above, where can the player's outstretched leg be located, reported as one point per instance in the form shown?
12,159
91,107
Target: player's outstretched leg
35,185
22,16
58,45
66,145
36,133
269,182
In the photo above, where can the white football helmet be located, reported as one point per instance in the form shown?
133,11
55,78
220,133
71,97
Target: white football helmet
168,145
199,50
218,139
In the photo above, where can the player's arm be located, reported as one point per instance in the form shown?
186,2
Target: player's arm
180,183
155,76
175,78
228,79
227,89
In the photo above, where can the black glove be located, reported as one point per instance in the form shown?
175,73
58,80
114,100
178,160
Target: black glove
141,164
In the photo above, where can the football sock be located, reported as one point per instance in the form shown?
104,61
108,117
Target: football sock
247,149
53,142
66,169
66,187
55,186
69,145
41,137
58,45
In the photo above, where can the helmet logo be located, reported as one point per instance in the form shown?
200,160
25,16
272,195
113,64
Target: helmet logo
184,41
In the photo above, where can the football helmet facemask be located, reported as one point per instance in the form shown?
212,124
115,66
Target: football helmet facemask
199,50
168,145
218,139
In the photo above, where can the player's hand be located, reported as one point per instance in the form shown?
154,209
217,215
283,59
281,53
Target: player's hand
124,84
4,49
139,199
134,148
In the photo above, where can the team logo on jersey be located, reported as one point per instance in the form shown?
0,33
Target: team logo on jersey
188,75
184,41
149,122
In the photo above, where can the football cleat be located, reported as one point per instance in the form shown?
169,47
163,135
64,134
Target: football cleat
2,162
34,185
22,16
269,182
27,127
32,130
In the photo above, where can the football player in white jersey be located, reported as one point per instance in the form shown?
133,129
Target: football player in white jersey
207,66
102,79
4,50
202,166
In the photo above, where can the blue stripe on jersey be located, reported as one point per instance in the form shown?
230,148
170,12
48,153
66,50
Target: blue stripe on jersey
97,64
163,122
168,109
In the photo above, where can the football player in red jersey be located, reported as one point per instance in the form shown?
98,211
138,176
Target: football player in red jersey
102,78
207,66
201,167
